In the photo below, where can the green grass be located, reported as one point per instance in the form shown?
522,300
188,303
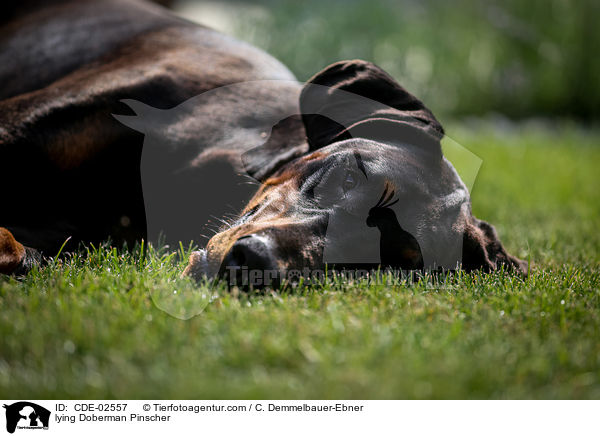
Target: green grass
89,326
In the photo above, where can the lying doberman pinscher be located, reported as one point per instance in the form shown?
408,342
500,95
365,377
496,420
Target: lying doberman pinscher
349,166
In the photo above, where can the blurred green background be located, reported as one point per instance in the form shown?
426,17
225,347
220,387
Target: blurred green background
518,59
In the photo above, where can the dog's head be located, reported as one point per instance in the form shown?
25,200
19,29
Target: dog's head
367,186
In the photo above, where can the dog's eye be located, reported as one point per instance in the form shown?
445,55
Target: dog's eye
350,181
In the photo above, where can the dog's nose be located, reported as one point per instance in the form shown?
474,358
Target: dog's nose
253,252
250,263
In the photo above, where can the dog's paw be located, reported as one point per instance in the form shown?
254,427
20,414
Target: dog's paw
12,253
14,257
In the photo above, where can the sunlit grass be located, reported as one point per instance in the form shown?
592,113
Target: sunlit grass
89,325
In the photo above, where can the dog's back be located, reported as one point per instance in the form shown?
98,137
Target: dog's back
69,167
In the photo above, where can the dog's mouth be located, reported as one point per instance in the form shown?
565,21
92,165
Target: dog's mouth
244,266
197,266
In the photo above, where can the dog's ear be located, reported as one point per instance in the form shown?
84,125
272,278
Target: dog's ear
285,143
348,99
358,99
482,250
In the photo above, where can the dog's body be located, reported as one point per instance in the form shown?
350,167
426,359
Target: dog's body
70,169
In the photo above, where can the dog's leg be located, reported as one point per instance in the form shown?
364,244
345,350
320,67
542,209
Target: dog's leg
14,257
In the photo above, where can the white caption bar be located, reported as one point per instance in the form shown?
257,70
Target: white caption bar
266,417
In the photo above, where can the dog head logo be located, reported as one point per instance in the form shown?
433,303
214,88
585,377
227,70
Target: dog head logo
26,415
